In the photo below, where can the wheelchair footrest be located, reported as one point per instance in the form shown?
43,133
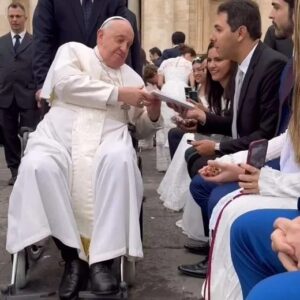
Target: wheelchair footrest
122,294
10,294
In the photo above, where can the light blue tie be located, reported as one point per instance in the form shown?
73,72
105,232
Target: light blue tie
237,92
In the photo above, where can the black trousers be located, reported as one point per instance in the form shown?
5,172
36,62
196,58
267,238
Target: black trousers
67,253
174,137
195,161
13,118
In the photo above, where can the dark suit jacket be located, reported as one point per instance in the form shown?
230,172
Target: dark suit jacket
258,109
284,46
56,22
168,53
134,55
16,77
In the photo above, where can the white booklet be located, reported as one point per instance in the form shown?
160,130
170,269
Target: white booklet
166,98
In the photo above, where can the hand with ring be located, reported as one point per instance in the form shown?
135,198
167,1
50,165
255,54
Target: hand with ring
141,103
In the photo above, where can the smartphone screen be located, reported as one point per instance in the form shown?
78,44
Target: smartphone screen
257,153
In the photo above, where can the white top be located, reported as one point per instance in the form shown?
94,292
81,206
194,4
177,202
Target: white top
177,68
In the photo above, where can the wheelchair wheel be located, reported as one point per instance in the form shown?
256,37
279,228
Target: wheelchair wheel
129,271
21,270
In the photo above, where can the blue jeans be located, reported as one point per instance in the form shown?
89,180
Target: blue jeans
207,195
252,255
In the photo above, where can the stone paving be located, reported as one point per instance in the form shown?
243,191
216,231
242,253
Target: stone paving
157,276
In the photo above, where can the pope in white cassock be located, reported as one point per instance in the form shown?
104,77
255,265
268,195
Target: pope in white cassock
79,181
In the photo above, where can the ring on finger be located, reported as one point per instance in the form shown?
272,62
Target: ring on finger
141,103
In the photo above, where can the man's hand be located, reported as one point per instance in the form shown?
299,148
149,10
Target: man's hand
219,172
38,98
204,147
248,180
188,125
138,97
195,113
133,96
286,241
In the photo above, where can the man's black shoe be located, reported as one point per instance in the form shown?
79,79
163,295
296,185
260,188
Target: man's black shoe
103,281
197,246
197,270
74,279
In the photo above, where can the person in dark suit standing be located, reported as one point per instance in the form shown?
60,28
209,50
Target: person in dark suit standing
178,37
282,45
56,22
17,88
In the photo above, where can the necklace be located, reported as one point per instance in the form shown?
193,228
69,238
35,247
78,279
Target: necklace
119,82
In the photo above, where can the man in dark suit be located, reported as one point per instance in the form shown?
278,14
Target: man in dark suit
255,104
17,88
178,38
282,45
56,22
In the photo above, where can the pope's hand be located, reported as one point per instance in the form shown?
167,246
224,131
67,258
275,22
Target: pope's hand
135,96
138,97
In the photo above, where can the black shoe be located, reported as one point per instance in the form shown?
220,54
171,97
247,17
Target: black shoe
74,279
12,180
197,246
197,270
102,279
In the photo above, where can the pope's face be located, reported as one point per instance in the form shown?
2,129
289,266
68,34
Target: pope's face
114,43
225,41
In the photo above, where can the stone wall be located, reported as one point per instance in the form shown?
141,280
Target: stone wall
159,19
194,17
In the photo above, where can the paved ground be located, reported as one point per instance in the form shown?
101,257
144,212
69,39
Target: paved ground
157,276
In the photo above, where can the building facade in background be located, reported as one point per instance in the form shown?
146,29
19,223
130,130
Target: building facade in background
159,19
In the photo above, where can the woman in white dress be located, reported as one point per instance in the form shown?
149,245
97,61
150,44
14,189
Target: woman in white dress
174,74
174,188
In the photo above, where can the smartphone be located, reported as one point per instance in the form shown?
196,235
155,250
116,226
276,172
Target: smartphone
187,91
257,153
194,96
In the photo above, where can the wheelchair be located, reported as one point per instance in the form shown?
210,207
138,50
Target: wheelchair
22,260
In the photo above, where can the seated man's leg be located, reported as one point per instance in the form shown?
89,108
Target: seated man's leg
218,193
201,191
174,137
250,243
118,199
195,162
40,206
277,287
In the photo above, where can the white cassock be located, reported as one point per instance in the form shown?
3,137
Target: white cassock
79,176
278,189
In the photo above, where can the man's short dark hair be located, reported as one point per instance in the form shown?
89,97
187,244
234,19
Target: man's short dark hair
16,5
178,37
155,50
242,13
291,4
